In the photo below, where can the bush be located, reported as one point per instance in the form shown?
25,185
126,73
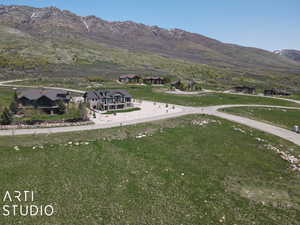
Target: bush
6,117
61,107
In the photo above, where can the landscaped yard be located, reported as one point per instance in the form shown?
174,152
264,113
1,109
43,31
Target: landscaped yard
72,113
286,118
183,171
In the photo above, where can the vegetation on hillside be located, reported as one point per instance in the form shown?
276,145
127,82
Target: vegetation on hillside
18,62
55,57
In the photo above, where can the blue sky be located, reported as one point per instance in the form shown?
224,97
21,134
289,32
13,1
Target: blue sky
267,24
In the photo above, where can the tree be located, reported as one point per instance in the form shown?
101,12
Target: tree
6,117
13,107
61,107
15,98
83,111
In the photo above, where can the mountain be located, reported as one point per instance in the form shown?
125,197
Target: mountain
67,42
289,53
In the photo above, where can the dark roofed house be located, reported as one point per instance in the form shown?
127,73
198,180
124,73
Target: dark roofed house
45,99
108,100
275,91
130,78
176,84
154,80
244,89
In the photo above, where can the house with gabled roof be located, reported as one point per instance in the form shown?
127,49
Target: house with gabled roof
154,80
244,89
129,78
108,100
45,99
275,91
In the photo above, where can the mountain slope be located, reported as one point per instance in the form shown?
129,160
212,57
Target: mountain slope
289,53
63,38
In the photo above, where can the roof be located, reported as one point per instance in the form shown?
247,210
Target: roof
154,78
35,94
276,90
244,87
131,76
176,82
107,93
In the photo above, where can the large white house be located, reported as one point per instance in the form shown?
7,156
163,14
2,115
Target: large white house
108,100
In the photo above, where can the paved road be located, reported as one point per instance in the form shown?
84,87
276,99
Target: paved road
210,110
8,84
277,131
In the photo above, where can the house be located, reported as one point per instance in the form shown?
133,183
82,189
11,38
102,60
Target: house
45,99
193,85
154,80
186,85
130,78
244,89
108,100
176,84
275,91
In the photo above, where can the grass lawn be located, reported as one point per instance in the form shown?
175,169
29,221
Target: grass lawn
123,111
295,96
179,173
6,95
148,93
37,115
286,118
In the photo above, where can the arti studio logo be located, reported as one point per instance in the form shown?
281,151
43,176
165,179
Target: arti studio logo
21,203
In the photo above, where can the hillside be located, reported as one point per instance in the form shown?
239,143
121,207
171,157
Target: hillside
289,53
56,42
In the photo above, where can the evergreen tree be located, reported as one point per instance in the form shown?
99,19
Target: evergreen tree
6,117
61,107
13,107
15,98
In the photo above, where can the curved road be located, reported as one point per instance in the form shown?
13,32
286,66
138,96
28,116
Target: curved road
210,110
268,128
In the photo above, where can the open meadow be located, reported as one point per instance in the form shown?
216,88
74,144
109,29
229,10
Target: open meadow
188,170
285,118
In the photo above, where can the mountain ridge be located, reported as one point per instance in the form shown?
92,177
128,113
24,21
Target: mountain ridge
50,27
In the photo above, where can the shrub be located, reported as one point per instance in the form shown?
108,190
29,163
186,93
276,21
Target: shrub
6,117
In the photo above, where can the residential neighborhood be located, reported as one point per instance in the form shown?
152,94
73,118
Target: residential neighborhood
149,112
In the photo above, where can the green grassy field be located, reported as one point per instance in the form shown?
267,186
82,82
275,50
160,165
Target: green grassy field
177,174
295,96
37,115
286,118
152,94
